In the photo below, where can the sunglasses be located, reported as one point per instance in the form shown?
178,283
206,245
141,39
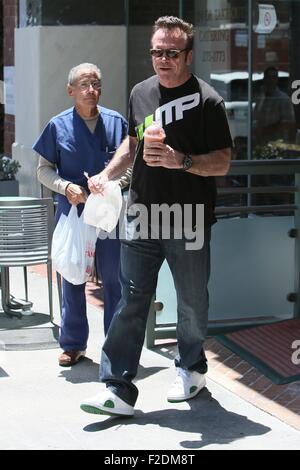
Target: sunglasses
170,53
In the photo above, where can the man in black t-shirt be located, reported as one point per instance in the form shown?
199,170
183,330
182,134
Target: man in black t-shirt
177,173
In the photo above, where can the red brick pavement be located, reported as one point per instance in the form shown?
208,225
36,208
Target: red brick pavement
237,375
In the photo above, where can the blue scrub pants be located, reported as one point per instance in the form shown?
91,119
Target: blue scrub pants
74,325
74,330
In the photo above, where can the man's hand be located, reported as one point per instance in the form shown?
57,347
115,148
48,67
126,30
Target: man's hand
75,194
159,154
96,183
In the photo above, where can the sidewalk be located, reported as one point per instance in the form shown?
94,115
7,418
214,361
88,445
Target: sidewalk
39,405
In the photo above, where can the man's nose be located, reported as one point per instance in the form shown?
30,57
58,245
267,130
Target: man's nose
90,88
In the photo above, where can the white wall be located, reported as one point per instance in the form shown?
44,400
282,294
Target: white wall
43,57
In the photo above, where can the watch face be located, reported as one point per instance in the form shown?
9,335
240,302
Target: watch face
187,162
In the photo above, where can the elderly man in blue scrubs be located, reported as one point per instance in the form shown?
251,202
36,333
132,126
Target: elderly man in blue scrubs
82,139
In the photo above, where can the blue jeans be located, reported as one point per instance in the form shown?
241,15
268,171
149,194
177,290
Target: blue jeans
140,264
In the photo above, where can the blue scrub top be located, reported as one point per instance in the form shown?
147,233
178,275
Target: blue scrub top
67,142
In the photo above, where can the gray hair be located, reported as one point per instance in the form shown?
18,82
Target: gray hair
75,72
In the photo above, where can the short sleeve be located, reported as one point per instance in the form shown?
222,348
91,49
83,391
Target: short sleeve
46,144
124,128
216,126
131,121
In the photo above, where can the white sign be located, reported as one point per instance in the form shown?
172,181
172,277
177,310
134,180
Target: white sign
9,88
267,19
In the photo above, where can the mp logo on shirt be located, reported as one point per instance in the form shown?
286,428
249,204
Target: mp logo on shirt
164,114
170,112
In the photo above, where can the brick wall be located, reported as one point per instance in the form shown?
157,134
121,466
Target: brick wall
9,133
10,22
10,19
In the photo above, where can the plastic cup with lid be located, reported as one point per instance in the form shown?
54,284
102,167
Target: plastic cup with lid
154,133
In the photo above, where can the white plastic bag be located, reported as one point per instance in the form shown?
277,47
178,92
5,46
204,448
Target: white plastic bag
73,248
103,210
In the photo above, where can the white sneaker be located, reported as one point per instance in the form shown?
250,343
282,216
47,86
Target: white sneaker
107,403
187,385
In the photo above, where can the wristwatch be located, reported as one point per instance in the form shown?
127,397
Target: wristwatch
187,162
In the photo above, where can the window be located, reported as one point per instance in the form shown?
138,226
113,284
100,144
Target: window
73,12
275,117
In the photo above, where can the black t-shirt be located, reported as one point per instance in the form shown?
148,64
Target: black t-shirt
194,119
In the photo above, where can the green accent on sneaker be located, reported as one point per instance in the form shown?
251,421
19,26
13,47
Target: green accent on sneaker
193,389
91,409
109,404
96,411
170,400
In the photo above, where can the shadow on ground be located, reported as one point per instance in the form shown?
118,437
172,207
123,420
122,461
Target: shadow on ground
3,373
15,323
88,371
84,372
34,332
207,419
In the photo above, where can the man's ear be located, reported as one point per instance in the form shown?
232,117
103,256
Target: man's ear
189,58
70,90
